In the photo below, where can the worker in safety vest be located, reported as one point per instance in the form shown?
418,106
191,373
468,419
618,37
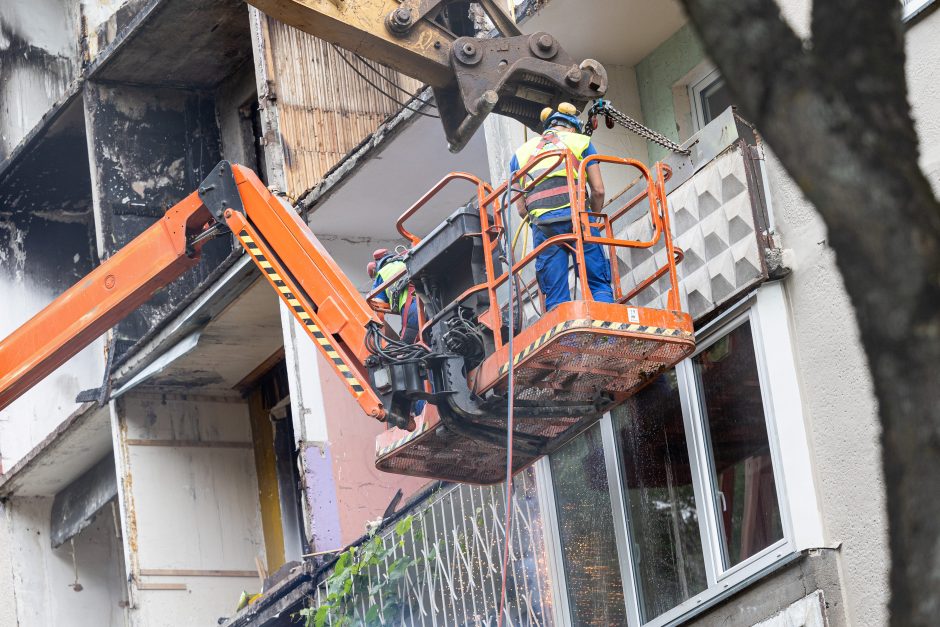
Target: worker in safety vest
399,296
383,268
548,205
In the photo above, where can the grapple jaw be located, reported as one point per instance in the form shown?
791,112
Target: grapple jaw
513,76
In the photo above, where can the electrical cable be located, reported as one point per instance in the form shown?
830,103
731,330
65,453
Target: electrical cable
392,83
515,238
510,386
379,89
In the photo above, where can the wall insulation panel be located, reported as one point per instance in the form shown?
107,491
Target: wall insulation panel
324,109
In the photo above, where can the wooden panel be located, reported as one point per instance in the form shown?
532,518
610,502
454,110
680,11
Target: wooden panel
183,572
161,586
324,108
262,433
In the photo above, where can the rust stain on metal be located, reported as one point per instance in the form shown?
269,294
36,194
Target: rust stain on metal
127,484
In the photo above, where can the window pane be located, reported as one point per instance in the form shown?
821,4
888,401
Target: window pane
586,526
715,99
667,545
734,415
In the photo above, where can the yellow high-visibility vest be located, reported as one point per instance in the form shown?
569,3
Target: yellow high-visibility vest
551,192
397,292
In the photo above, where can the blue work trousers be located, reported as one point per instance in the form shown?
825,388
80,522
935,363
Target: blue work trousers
551,266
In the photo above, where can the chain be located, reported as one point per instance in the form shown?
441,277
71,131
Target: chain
613,115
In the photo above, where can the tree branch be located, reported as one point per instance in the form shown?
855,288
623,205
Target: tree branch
836,114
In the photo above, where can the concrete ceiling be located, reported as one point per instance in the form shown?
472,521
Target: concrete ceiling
368,202
179,43
230,347
65,454
611,31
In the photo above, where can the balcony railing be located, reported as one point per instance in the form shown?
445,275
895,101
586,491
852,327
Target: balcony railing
454,550
719,222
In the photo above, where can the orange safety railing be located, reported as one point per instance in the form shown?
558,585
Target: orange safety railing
493,202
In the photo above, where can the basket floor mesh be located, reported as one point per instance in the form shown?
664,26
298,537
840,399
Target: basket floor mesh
574,367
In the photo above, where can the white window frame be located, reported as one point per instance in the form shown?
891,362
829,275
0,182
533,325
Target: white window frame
910,8
697,86
801,519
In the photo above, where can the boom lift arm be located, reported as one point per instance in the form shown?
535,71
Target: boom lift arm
570,365
232,198
433,41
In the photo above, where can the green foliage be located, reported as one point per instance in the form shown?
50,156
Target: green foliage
349,583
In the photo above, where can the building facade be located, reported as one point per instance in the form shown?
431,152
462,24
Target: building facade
203,447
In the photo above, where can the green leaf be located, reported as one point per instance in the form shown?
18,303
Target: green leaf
403,526
323,612
372,616
342,563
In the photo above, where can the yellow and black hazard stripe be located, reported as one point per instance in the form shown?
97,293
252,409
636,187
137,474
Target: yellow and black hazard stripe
402,440
599,324
300,313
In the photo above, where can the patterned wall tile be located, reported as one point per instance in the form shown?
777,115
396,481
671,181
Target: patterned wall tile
713,223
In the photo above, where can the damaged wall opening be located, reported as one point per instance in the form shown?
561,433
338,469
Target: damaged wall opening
276,465
47,243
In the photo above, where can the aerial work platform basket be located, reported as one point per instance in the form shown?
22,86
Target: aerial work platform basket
569,365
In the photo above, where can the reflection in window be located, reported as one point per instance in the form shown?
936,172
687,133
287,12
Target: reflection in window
586,527
657,478
740,452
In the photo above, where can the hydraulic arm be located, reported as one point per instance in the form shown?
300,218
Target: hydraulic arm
322,298
569,365
433,41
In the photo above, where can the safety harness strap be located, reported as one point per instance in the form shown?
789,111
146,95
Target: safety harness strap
552,191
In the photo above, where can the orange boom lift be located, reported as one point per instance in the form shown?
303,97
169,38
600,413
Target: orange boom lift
474,362
570,365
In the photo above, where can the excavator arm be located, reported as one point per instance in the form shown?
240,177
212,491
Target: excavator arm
232,198
515,75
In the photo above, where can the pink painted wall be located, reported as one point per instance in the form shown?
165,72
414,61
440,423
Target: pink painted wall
362,491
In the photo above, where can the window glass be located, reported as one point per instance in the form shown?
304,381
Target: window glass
746,494
586,527
657,479
715,99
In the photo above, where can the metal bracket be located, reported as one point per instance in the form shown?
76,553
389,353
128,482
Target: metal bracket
515,77
219,192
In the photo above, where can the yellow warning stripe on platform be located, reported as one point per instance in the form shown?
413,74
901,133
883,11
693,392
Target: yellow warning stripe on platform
599,324
288,297
403,440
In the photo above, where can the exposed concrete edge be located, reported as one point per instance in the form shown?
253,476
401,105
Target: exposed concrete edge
124,36
36,134
368,148
10,479
220,289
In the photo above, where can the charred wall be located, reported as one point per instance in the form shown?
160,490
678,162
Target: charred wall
46,244
46,224
39,58
150,147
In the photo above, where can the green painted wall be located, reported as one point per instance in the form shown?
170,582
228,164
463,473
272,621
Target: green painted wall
655,76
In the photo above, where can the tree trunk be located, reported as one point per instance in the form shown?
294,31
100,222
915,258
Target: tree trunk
835,112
